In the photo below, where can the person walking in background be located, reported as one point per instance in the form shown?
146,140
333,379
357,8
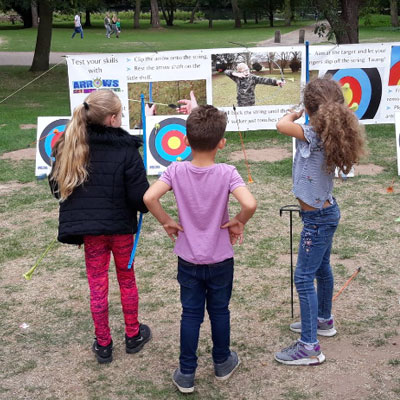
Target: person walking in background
205,236
78,26
99,178
118,25
107,25
333,139
114,26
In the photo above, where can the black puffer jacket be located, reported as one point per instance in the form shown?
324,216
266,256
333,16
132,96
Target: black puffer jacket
108,202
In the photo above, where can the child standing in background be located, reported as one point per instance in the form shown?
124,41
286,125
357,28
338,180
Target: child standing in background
100,180
333,139
205,235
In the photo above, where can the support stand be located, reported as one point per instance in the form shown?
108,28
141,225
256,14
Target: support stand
290,209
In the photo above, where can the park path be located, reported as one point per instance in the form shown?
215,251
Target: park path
288,39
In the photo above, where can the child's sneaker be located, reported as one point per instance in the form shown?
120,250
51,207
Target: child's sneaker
224,370
103,353
297,354
136,343
184,382
326,328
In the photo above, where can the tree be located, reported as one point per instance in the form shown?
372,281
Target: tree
288,13
136,15
394,13
194,10
155,18
168,7
236,13
41,57
342,16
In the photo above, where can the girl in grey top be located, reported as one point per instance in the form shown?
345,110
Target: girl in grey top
334,139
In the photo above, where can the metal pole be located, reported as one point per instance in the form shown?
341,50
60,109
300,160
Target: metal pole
290,209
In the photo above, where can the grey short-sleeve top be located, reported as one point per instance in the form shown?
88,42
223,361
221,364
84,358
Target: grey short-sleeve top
311,183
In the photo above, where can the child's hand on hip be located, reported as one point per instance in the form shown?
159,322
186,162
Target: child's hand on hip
236,230
172,228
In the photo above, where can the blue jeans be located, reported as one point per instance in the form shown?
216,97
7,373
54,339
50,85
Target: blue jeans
78,30
313,262
210,285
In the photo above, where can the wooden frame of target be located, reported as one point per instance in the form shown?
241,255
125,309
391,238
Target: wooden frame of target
49,129
165,142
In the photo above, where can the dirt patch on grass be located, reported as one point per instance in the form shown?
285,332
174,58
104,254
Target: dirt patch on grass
271,154
9,187
368,169
28,126
23,154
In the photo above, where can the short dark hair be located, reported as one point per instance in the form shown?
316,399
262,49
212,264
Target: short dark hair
205,127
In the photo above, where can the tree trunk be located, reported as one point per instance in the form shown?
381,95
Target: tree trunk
136,16
343,24
87,18
41,57
34,11
168,13
288,13
155,18
394,13
194,11
236,13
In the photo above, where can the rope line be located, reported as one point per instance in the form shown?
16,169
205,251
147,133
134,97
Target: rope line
33,80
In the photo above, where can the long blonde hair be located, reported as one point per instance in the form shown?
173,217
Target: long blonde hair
71,151
338,127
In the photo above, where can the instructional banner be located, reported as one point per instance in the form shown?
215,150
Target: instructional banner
255,86
397,124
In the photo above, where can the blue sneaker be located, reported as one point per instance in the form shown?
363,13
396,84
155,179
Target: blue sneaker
297,354
326,328
184,382
224,370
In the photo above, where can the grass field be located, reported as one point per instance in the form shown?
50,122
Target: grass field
50,357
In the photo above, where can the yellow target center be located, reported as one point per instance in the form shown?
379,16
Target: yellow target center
174,143
347,93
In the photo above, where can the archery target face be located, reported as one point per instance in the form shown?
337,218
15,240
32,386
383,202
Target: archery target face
394,76
362,89
48,132
165,142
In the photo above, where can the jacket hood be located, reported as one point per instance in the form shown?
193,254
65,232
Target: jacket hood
108,135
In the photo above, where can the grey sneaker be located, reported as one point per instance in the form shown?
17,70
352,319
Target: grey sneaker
297,354
184,382
326,328
225,370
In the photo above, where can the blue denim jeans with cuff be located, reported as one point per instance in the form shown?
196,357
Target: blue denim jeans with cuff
208,285
313,262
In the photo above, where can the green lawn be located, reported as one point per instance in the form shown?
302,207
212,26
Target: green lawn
179,37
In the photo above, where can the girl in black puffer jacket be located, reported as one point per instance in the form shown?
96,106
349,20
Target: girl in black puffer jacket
99,178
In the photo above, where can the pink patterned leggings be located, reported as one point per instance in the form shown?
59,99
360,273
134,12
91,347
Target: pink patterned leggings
98,250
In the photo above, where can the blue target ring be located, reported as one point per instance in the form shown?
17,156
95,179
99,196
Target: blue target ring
48,138
166,132
370,82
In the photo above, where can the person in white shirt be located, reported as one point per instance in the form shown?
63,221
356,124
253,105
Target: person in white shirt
78,26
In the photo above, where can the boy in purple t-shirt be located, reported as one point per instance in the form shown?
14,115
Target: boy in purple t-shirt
204,238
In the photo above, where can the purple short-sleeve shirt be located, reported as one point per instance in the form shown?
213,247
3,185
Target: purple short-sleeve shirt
202,195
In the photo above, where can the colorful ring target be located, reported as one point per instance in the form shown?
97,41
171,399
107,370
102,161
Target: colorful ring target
394,76
362,89
166,141
49,137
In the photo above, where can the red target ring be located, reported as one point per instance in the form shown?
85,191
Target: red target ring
355,89
173,142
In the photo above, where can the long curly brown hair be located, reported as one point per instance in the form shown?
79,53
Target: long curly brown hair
338,127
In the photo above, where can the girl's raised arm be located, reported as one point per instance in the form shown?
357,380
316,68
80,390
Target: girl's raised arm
288,127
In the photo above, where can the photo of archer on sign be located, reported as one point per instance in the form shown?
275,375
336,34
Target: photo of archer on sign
249,79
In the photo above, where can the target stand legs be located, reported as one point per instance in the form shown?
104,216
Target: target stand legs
290,209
